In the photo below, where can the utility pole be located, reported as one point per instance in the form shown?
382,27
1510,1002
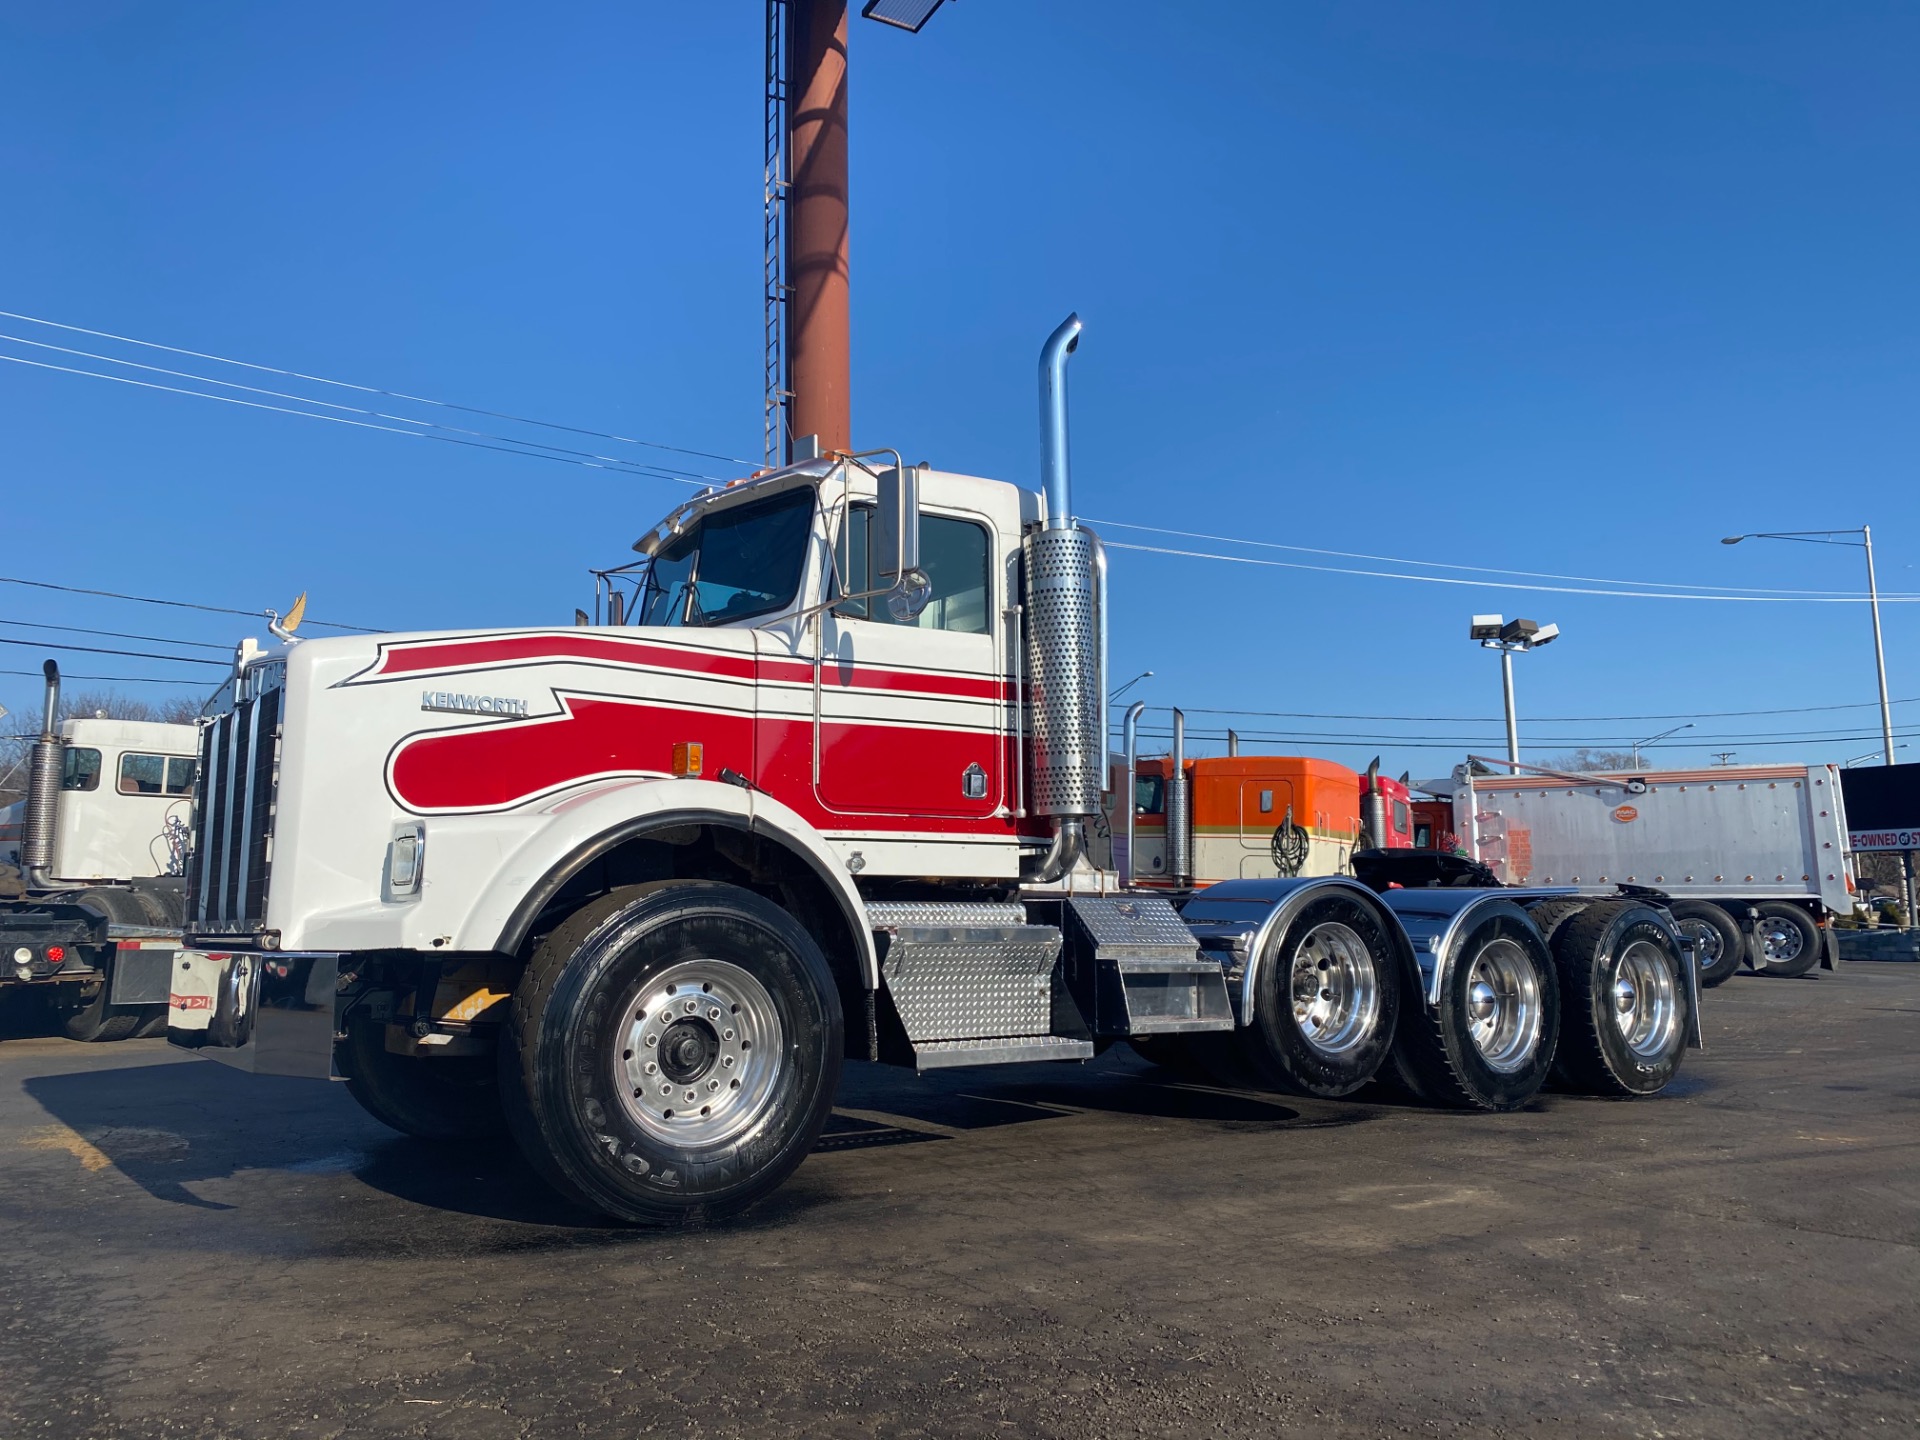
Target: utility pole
818,325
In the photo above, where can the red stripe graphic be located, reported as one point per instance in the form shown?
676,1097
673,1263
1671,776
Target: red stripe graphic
491,767
412,657
480,652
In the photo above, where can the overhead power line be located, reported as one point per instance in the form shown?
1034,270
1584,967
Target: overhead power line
618,467
1508,584
1457,745
636,467
116,635
98,650
376,390
1742,590
177,604
1532,719
189,683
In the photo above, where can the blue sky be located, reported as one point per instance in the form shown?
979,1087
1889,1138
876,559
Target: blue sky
1549,288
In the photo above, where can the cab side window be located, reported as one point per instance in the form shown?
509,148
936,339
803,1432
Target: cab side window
954,553
155,774
82,770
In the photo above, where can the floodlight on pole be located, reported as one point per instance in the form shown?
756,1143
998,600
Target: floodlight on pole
1496,632
908,15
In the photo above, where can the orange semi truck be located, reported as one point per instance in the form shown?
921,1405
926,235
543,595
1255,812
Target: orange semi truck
1251,817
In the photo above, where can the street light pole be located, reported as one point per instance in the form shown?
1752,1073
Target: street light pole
1880,664
1513,725
1825,537
1652,738
1496,632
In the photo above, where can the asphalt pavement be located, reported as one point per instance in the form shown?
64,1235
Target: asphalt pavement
1046,1251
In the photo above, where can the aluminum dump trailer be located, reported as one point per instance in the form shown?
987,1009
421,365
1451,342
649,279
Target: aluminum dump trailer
1753,857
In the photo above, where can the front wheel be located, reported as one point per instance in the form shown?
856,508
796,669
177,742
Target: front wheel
1718,945
1786,943
1326,1001
672,1052
1489,1043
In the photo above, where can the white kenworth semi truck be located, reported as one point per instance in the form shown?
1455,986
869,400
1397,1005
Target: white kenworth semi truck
633,892
99,845
1753,858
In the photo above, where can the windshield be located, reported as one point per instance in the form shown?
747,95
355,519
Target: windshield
732,565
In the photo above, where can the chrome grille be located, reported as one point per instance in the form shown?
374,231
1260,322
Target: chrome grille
233,828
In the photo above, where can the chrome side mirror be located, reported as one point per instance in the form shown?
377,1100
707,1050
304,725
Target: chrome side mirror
898,550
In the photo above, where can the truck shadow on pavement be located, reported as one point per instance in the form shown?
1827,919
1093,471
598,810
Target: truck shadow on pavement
200,1135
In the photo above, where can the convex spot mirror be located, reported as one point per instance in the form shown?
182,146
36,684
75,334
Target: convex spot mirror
896,554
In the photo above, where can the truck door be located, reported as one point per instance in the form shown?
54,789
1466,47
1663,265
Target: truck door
911,716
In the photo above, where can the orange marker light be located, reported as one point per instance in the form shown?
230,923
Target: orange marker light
687,758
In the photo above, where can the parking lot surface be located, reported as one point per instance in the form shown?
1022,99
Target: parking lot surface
1054,1251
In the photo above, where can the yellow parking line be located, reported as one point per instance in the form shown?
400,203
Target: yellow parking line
62,1137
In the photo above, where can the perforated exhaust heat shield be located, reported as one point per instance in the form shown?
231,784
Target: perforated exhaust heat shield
1063,665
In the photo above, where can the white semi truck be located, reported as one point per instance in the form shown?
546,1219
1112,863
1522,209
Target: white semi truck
99,844
634,892
1754,857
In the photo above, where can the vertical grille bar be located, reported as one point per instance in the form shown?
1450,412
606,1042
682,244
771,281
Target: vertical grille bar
260,802
233,852
213,832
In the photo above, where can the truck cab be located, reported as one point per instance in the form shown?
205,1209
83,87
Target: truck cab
100,844
827,791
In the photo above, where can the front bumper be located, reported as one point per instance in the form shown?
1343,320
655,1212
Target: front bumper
266,1011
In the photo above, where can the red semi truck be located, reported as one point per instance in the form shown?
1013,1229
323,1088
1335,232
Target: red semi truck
633,893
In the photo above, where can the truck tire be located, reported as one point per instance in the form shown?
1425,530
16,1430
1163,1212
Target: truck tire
1718,944
1786,942
97,1022
1489,1043
672,1052
456,1098
1626,997
1325,1003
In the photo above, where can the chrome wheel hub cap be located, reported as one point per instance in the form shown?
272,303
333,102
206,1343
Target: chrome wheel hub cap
1779,940
1503,1006
1335,989
1645,1000
1706,941
700,1051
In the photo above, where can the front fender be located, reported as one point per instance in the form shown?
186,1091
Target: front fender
581,828
1242,920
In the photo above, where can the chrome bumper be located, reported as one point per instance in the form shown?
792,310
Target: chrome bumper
268,1012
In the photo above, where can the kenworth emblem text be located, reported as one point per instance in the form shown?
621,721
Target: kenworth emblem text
472,704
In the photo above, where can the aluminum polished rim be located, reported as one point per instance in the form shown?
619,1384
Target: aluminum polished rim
1335,987
700,1053
1503,1006
1708,943
1779,939
1644,1000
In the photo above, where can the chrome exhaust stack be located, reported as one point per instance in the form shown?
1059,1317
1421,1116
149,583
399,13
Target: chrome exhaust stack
1179,803
1373,807
45,763
1065,631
